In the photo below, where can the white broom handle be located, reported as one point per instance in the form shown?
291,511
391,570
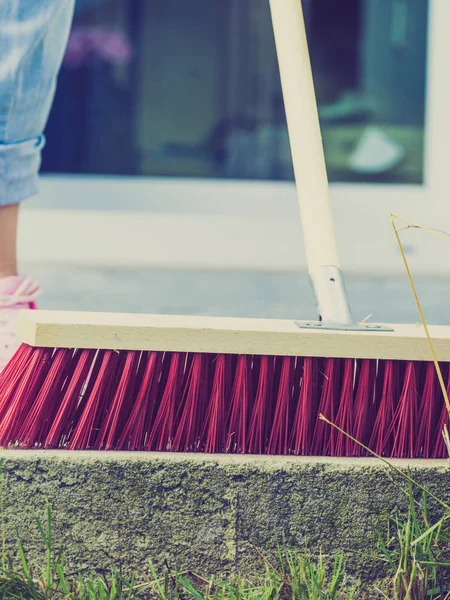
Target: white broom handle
304,133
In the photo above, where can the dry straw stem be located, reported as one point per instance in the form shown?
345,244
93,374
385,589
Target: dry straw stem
386,462
410,225
446,237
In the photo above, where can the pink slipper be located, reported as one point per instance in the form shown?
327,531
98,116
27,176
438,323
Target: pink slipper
16,293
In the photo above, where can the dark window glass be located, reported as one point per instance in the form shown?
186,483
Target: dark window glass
191,89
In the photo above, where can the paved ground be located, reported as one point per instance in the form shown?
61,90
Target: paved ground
233,294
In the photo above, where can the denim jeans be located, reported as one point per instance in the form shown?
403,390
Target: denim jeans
33,37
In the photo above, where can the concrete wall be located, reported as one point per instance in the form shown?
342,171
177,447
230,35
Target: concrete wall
207,513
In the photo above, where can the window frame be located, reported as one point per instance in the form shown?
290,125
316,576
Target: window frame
216,223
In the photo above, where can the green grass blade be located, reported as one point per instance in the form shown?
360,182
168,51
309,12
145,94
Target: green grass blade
426,533
156,583
23,560
190,588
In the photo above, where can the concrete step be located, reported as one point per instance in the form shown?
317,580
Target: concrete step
232,293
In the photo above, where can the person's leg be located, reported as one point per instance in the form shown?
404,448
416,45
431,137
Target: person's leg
8,235
33,37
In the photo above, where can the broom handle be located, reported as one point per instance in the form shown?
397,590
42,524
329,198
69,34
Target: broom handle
309,161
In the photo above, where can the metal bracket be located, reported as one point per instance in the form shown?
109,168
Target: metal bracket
331,296
332,304
339,327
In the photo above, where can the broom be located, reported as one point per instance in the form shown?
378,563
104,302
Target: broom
203,384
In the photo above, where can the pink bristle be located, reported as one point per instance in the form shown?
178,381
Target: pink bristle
18,395
15,369
215,424
85,394
89,399
240,406
345,413
164,426
39,419
364,404
139,422
193,406
439,449
324,437
262,414
121,405
63,421
106,405
280,433
403,424
86,429
428,414
388,394
306,410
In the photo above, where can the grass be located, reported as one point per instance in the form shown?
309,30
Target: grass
416,553
51,582
290,575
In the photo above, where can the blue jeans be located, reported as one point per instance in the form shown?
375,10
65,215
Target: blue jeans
33,37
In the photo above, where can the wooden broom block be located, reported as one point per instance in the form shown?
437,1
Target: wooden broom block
277,337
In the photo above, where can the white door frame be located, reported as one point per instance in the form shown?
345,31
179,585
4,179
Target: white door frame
157,222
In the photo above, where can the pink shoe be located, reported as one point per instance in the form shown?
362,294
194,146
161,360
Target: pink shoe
16,294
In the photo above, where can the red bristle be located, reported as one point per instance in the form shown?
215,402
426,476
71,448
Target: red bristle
280,433
345,412
17,368
163,430
439,448
306,411
240,406
223,403
121,405
324,437
105,408
261,419
63,421
85,394
138,425
39,419
364,405
428,415
388,391
141,364
193,405
85,430
403,424
215,427
14,369
18,395
297,376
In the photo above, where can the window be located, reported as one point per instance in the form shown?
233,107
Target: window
191,89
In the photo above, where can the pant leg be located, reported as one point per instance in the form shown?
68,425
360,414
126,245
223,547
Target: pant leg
33,37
